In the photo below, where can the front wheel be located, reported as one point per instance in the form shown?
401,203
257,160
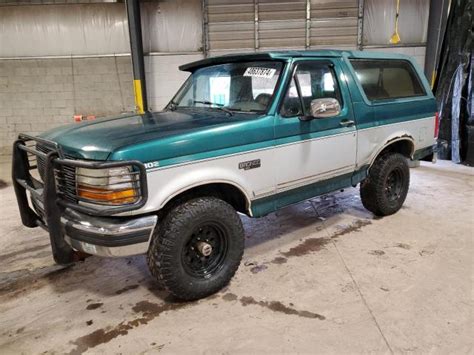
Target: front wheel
385,189
197,248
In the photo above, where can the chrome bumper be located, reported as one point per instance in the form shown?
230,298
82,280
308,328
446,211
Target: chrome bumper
107,236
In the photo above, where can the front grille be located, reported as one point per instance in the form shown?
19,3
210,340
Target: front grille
66,182
40,160
65,175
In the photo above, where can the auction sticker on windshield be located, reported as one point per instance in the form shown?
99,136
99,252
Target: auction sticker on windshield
260,72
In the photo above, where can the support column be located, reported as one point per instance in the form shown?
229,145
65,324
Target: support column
256,24
136,47
308,25
436,27
360,25
205,28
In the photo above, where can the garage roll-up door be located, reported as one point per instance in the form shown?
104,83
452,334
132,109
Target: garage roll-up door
334,22
249,25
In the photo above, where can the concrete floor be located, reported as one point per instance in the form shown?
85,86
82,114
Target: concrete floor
322,276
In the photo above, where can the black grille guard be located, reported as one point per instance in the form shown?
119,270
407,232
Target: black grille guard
47,193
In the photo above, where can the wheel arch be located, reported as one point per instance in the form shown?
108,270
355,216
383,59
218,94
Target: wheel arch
229,191
404,144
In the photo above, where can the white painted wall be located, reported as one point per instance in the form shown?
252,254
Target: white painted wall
163,77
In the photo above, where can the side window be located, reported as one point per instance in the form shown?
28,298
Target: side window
314,81
387,79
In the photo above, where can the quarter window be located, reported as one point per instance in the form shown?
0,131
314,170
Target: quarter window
387,79
311,80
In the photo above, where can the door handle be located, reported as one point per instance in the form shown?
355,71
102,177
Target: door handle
347,123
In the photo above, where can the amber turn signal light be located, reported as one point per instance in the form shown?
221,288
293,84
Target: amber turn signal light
106,195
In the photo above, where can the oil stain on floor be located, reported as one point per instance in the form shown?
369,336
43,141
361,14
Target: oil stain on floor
21,281
93,306
148,311
311,245
126,288
275,306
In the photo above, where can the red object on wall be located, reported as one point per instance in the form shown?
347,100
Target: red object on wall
79,118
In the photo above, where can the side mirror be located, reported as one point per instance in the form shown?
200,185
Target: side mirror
327,107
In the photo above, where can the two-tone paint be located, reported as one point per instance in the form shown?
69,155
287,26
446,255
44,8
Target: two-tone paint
298,159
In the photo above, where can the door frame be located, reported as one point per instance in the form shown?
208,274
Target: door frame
291,130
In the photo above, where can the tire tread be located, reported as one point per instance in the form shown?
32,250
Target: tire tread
372,188
160,254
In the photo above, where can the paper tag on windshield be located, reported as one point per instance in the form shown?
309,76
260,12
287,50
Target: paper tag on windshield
260,72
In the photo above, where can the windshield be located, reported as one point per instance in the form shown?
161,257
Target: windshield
246,87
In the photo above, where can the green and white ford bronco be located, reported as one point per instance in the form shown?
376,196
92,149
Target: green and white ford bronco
245,134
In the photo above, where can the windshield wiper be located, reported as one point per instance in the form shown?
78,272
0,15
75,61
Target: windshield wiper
218,106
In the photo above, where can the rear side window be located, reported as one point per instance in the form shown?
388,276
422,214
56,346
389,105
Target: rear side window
387,79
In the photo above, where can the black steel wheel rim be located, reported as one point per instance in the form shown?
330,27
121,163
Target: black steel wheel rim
394,185
194,261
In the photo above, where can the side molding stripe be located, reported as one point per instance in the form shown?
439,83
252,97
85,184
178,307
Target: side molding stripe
263,206
255,147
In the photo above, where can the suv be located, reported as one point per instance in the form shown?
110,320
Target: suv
248,134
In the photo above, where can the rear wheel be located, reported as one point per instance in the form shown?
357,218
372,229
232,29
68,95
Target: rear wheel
197,248
386,187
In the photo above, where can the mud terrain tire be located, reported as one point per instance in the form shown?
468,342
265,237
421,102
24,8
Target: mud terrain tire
384,191
197,248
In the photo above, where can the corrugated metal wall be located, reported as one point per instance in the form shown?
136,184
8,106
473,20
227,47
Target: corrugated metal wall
49,2
97,29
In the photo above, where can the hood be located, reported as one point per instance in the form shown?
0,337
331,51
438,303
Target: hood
147,137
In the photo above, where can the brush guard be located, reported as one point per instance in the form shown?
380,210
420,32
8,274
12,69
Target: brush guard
47,194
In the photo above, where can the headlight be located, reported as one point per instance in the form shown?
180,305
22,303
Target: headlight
113,186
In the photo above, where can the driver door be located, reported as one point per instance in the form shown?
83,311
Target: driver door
313,150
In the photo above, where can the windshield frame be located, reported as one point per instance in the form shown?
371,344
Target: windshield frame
172,106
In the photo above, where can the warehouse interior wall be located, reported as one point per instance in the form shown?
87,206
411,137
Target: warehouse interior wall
57,61
173,37
163,79
98,29
379,21
39,94
55,30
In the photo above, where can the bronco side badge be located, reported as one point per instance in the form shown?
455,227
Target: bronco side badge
251,164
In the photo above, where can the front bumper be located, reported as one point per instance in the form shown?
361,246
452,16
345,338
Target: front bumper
107,236
73,226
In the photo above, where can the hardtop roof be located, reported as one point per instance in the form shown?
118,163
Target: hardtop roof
288,55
